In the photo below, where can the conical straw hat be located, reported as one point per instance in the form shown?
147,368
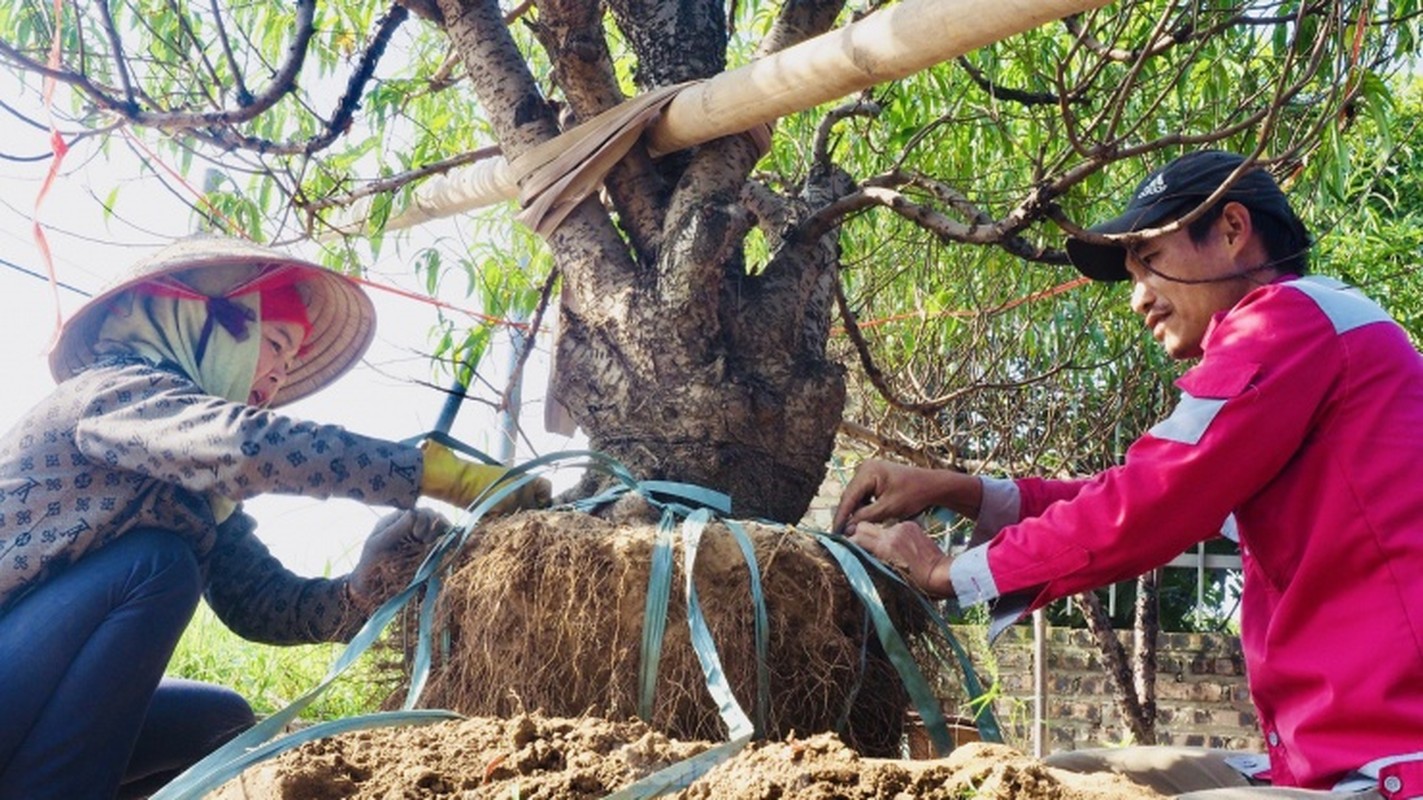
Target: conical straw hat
341,315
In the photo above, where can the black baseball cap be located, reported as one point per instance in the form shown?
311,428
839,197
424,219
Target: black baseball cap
1171,192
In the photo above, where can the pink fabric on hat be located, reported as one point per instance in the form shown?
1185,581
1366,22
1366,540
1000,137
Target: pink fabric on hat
284,303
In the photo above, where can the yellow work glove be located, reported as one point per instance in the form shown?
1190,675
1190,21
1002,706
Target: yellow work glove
460,482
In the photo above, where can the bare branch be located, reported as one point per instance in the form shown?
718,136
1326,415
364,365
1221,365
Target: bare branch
516,375
340,120
981,230
117,47
926,408
1004,93
855,108
244,95
912,453
396,182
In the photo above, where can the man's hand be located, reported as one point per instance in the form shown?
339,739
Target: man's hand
392,553
885,491
460,482
907,548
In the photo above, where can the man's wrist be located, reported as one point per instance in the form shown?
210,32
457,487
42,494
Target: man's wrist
938,584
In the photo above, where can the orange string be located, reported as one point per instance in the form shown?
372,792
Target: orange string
196,192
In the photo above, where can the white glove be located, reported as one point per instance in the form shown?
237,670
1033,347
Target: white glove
392,553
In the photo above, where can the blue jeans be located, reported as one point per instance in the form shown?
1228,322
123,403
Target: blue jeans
82,710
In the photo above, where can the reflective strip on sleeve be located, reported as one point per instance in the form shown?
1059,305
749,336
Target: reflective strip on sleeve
1371,769
1346,307
1230,529
1188,423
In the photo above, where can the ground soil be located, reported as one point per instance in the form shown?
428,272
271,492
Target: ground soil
531,756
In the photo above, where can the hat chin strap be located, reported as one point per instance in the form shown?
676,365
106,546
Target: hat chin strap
1229,276
233,318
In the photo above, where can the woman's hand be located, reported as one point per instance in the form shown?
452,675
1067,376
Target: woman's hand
397,544
458,481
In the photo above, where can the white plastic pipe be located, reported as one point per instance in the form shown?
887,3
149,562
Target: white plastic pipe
889,44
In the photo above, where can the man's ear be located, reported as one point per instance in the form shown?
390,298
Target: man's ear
1236,225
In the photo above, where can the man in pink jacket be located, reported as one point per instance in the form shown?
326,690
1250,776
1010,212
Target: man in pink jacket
1300,427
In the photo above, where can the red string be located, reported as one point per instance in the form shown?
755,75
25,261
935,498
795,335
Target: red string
59,147
396,290
1061,288
202,197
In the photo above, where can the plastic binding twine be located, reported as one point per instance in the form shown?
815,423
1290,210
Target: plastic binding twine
695,507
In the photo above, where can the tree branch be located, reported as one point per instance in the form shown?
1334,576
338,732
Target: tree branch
244,95
918,455
854,108
1004,93
391,183
573,36
116,46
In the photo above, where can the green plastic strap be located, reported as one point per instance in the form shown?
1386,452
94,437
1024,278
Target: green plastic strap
681,774
734,717
215,778
984,719
918,688
456,445
221,760
186,785
424,640
654,616
762,626
696,496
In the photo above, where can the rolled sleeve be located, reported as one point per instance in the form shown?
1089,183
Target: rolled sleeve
1001,507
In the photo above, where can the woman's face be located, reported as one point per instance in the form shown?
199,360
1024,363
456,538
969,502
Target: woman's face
280,343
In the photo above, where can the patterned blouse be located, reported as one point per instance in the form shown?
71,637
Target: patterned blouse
128,445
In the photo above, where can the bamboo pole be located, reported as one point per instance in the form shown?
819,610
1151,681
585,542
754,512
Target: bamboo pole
889,44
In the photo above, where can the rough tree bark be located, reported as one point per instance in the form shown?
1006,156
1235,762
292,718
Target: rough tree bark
671,356
1135,681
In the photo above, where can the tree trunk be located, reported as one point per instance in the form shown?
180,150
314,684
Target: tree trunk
672,356
1114,661
1144,631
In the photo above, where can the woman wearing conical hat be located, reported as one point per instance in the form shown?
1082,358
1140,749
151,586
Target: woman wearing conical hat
120,505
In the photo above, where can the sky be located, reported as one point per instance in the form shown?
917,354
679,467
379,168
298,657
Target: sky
386,395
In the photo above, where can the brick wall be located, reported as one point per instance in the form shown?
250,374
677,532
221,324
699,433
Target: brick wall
1201,694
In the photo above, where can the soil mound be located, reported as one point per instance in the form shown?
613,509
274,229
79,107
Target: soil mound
531,756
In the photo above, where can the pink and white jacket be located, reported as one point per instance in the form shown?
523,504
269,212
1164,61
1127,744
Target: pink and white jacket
1303,422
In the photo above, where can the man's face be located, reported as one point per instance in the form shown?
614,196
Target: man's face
1176,312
